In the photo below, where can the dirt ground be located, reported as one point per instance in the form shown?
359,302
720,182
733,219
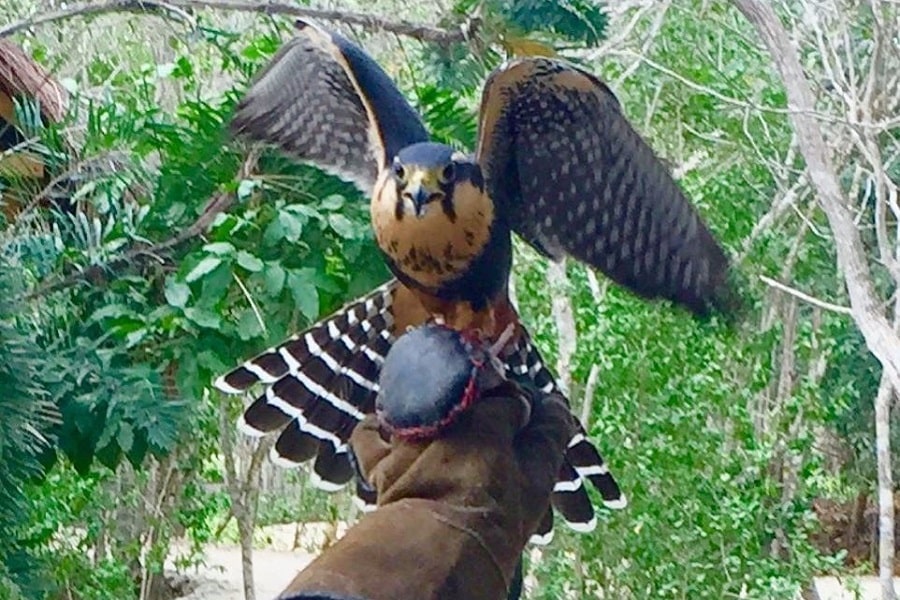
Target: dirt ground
853,526
287,549
221,578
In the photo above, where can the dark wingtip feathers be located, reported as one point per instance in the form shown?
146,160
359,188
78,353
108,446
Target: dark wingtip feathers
729,305
722,299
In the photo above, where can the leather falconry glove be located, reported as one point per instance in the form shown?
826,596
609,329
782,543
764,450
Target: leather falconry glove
463,463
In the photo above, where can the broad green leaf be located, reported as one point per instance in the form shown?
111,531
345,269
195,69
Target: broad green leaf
125,437
291,225
203,317
135,337
249,262
214,286
246,188
248,325
333,202
177,292
110,310
202,268
220,248
303,288
342,225
274,278
304,212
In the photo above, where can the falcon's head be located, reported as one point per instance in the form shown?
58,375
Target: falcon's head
431,214
428,176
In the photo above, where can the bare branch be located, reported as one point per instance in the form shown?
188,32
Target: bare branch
789,199
598,287
563,315
883,403
587,402
806,297
744,104
660,9
175,9
865,306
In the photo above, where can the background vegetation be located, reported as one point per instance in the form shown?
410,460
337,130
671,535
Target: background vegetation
180,253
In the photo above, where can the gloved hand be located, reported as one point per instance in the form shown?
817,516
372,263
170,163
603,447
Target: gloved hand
463,462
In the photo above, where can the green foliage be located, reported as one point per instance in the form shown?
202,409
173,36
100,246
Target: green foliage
28,417
573,20
449,120
579,21
505,28
122,359
65,524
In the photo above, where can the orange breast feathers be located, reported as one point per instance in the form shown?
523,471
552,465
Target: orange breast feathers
438,245
412,308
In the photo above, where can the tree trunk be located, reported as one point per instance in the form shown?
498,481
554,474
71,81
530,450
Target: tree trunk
883,402
243,489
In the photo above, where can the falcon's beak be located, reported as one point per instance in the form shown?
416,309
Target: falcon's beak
421,189
419,196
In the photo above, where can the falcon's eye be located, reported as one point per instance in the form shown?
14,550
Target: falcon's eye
449,173
399,171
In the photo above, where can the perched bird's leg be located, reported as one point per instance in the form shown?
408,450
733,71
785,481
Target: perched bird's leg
502,339
496,348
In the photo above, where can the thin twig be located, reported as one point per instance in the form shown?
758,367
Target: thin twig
424,33
824,304
746,104
587,402
256,312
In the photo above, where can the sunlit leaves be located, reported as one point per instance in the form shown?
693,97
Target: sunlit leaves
249,262
177,293
449,119
575,20
304,292
274,276
204,267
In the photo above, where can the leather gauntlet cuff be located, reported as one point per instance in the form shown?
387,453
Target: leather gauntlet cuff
413,549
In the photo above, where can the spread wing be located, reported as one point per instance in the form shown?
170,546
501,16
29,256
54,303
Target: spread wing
572,177
324,101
